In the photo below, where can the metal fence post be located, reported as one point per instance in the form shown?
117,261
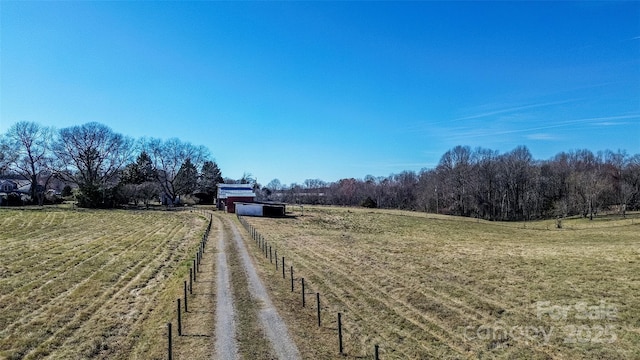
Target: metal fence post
185,296
169,338
340,332
318,303
179,320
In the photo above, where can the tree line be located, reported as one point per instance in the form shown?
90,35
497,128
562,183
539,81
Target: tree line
486,184
107,168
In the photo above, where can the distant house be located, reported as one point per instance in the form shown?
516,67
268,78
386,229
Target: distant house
8,186
19,188
229,194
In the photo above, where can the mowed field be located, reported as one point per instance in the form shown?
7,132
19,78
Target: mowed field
425,286
77,284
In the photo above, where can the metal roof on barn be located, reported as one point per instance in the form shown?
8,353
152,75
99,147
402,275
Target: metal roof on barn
235,190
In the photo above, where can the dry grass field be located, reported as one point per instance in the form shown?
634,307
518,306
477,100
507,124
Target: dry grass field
77,284
425,286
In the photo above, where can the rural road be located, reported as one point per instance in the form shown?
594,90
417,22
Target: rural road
274,327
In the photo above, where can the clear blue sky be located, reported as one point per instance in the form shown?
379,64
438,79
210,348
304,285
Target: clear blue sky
299,90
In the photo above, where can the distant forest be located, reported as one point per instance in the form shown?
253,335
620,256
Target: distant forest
486,184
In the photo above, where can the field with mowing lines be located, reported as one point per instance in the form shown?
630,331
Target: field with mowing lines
429,286
91,284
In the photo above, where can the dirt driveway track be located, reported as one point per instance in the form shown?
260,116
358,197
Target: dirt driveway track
226,347
274,327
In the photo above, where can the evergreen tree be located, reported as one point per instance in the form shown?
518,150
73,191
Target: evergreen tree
210,177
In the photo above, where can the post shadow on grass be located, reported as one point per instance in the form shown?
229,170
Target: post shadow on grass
192,311
196,335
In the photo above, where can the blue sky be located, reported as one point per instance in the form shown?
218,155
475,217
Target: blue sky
329,90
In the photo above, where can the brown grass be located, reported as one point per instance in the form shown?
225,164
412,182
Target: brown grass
428,286
104,284
91,284
198,324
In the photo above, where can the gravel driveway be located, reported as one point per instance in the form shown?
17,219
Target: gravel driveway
226,346
274,327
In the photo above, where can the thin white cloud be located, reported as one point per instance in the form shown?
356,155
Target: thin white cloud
541,136
598,121
610,123
428,125
512,109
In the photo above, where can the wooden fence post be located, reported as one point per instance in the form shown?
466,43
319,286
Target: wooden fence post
291,278
303,302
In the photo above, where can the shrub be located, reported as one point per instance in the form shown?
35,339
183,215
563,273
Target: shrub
369,203
67,191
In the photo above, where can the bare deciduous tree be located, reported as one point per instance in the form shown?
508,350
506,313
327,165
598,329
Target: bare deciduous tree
168,158
91,156
29,146
6,156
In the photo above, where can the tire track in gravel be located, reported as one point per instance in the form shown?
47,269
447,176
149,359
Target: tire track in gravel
274,327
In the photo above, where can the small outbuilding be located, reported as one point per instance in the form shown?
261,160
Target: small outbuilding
230,194
260,209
